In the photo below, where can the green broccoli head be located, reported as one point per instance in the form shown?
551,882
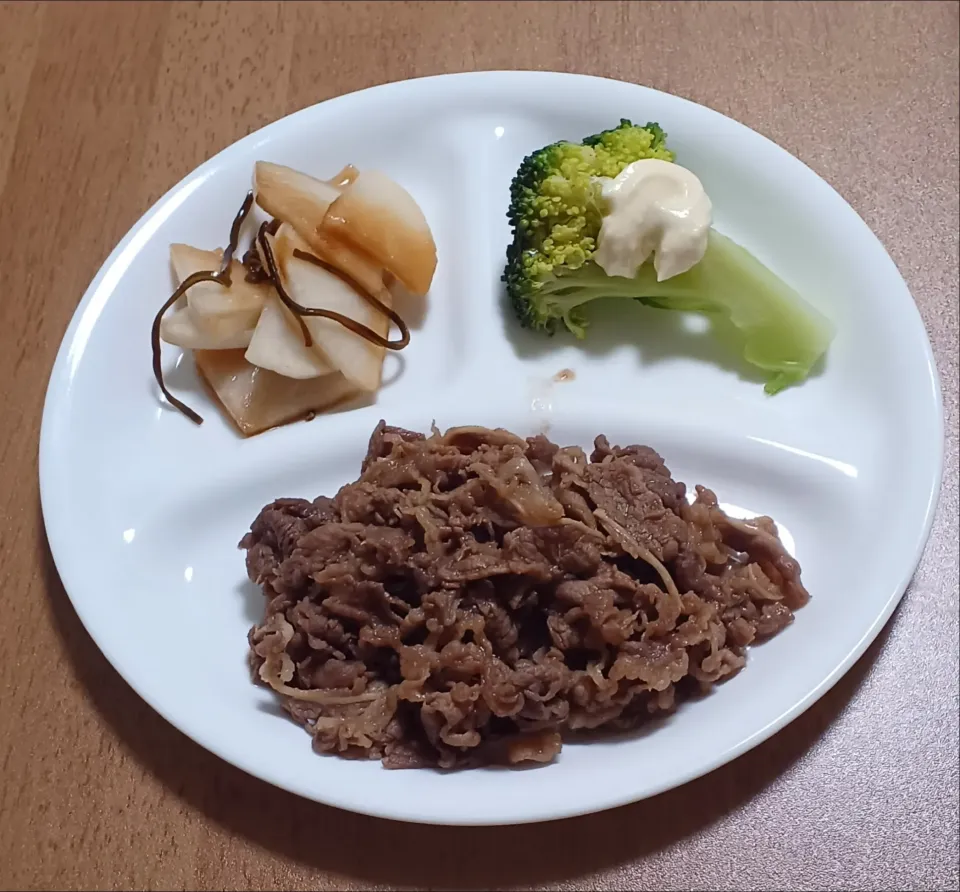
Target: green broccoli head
555,214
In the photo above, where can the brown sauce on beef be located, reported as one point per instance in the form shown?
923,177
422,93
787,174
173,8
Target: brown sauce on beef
475,597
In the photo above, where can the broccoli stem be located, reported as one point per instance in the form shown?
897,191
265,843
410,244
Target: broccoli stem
782,334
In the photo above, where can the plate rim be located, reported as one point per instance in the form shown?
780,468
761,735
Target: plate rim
85,316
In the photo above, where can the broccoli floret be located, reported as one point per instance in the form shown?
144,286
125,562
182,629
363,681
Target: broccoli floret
556,214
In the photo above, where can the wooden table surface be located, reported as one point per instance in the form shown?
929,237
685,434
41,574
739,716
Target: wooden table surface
104,106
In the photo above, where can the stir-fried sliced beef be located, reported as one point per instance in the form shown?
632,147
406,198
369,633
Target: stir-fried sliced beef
473,596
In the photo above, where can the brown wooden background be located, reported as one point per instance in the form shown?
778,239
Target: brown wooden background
104,106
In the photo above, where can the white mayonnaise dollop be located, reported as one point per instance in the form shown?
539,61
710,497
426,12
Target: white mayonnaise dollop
654,207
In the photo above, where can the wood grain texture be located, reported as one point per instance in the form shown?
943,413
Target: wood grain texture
105,106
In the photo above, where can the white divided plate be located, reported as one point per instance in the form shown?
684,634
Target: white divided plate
144,510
